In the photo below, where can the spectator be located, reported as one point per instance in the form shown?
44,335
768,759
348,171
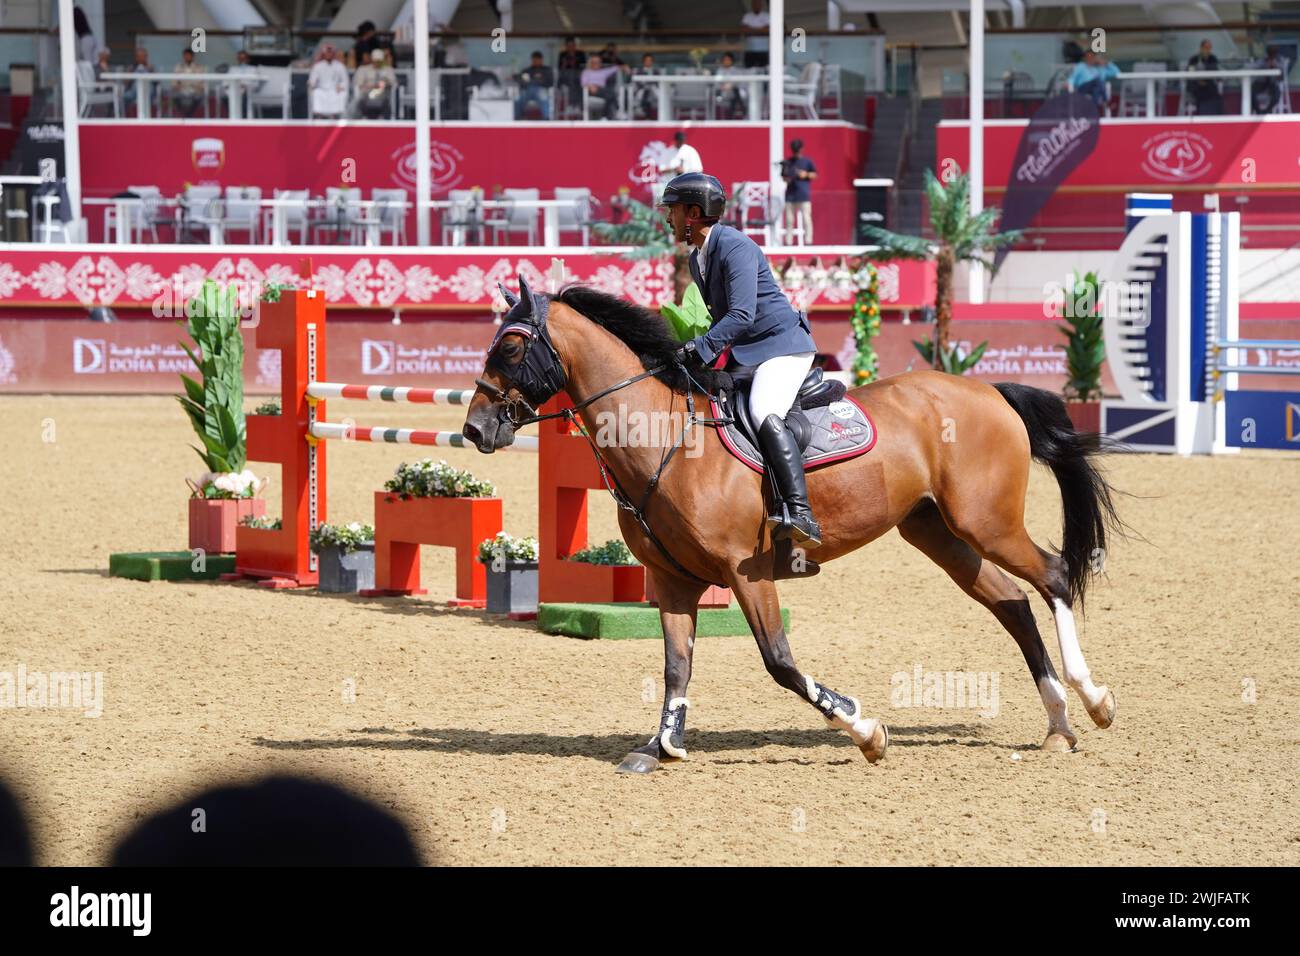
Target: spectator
730,96
569,65
647,97
141,65
372,86
188,95
597,80
102,65
1090,77
682,158
1266,91
87,48
1206,94
367,40
755,44
535,83
798,172
609,56
327,84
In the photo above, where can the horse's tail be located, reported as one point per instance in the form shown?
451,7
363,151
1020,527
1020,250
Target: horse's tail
1086,497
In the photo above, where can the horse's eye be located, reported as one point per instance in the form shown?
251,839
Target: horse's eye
511,352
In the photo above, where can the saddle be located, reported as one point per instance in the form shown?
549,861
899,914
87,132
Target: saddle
828,426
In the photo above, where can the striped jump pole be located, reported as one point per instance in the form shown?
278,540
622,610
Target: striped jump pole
407,436
389,393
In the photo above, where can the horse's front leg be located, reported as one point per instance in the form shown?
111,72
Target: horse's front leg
757,599
678,602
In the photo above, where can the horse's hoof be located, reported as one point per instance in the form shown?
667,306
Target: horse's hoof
1104,714
874,749
638,763
1058,744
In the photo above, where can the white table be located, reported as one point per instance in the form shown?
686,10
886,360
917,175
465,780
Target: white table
754,81
233,81
277,207
1245,76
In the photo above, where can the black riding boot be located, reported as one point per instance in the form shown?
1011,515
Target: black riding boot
785,465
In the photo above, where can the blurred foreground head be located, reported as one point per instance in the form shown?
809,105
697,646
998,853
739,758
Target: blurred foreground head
279,821
15,841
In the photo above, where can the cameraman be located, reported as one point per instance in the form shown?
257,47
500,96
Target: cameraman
798,172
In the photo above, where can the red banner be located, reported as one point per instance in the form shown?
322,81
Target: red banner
1228,153
602,157
137,277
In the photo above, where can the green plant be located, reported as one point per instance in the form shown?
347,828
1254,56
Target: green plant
611,552
952,360
1085,347
507,548
437,479
689,319
344,537
269,407
216,407
261,523
864,320
958,237
271,291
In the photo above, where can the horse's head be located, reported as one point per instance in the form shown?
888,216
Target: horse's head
523,370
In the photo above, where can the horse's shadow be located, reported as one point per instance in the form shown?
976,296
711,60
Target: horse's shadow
613,747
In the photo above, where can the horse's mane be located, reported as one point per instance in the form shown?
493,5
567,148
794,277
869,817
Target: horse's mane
641,330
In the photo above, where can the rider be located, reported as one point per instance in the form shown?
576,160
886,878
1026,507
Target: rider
752,317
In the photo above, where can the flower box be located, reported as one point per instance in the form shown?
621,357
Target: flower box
513,589
213,521
1086,416
347,572
404,523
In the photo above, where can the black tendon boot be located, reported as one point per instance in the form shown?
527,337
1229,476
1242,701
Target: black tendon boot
785,465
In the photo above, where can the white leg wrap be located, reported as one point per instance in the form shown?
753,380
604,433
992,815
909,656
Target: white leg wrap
665,735
1053,694
1072,662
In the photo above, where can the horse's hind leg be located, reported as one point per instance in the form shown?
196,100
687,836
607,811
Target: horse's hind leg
762,609
1002,539
982,580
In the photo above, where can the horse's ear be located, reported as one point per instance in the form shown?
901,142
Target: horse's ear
511,299
525,293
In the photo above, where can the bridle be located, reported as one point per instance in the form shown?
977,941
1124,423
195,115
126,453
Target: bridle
539,376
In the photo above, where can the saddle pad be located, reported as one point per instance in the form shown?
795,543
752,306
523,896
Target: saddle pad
840,430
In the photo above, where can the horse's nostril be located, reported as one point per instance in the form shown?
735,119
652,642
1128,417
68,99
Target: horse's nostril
471,434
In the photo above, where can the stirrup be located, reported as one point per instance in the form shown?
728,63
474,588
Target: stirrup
800,536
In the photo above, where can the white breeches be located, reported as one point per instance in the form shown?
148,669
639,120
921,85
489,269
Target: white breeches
776,385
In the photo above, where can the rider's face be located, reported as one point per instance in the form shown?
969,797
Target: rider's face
676,216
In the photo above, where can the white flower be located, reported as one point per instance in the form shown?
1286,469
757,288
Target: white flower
226,482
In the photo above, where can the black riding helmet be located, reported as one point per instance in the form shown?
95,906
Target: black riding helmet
696,189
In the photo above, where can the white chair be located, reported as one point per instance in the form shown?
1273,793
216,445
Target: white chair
91,93
388,214
342,213
461,217
691,100
832,89
200,209
47,227
518,217
754,209
1133,95
243,203
575,215
290,210
805,92
140,215
273,92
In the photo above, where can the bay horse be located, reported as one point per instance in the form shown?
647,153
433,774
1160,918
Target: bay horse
949,469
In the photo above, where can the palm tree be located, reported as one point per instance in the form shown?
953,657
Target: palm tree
958,237
650,237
